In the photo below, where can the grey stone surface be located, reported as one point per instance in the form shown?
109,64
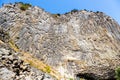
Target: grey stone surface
13,68
77,42
6,74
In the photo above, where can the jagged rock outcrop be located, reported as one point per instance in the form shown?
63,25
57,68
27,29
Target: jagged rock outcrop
75,44
13,68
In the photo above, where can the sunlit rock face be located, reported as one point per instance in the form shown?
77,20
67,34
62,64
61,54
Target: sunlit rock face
75,44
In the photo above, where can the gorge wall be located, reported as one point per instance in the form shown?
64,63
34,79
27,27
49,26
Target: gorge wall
78,44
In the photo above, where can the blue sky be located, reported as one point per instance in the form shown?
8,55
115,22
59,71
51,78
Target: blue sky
110,7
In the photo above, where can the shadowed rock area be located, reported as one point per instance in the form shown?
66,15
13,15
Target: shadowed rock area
78,44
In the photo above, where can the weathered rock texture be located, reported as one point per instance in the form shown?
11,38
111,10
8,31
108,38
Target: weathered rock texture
13,68
75,44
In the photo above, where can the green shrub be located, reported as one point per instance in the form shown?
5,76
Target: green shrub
24,6
74,10
58,14
117,74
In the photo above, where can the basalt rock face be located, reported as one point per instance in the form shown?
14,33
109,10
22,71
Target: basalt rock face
77,44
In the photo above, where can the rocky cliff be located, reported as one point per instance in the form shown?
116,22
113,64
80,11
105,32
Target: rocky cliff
78,44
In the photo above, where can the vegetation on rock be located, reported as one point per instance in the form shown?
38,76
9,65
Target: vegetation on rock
24,6
74,10
117,73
